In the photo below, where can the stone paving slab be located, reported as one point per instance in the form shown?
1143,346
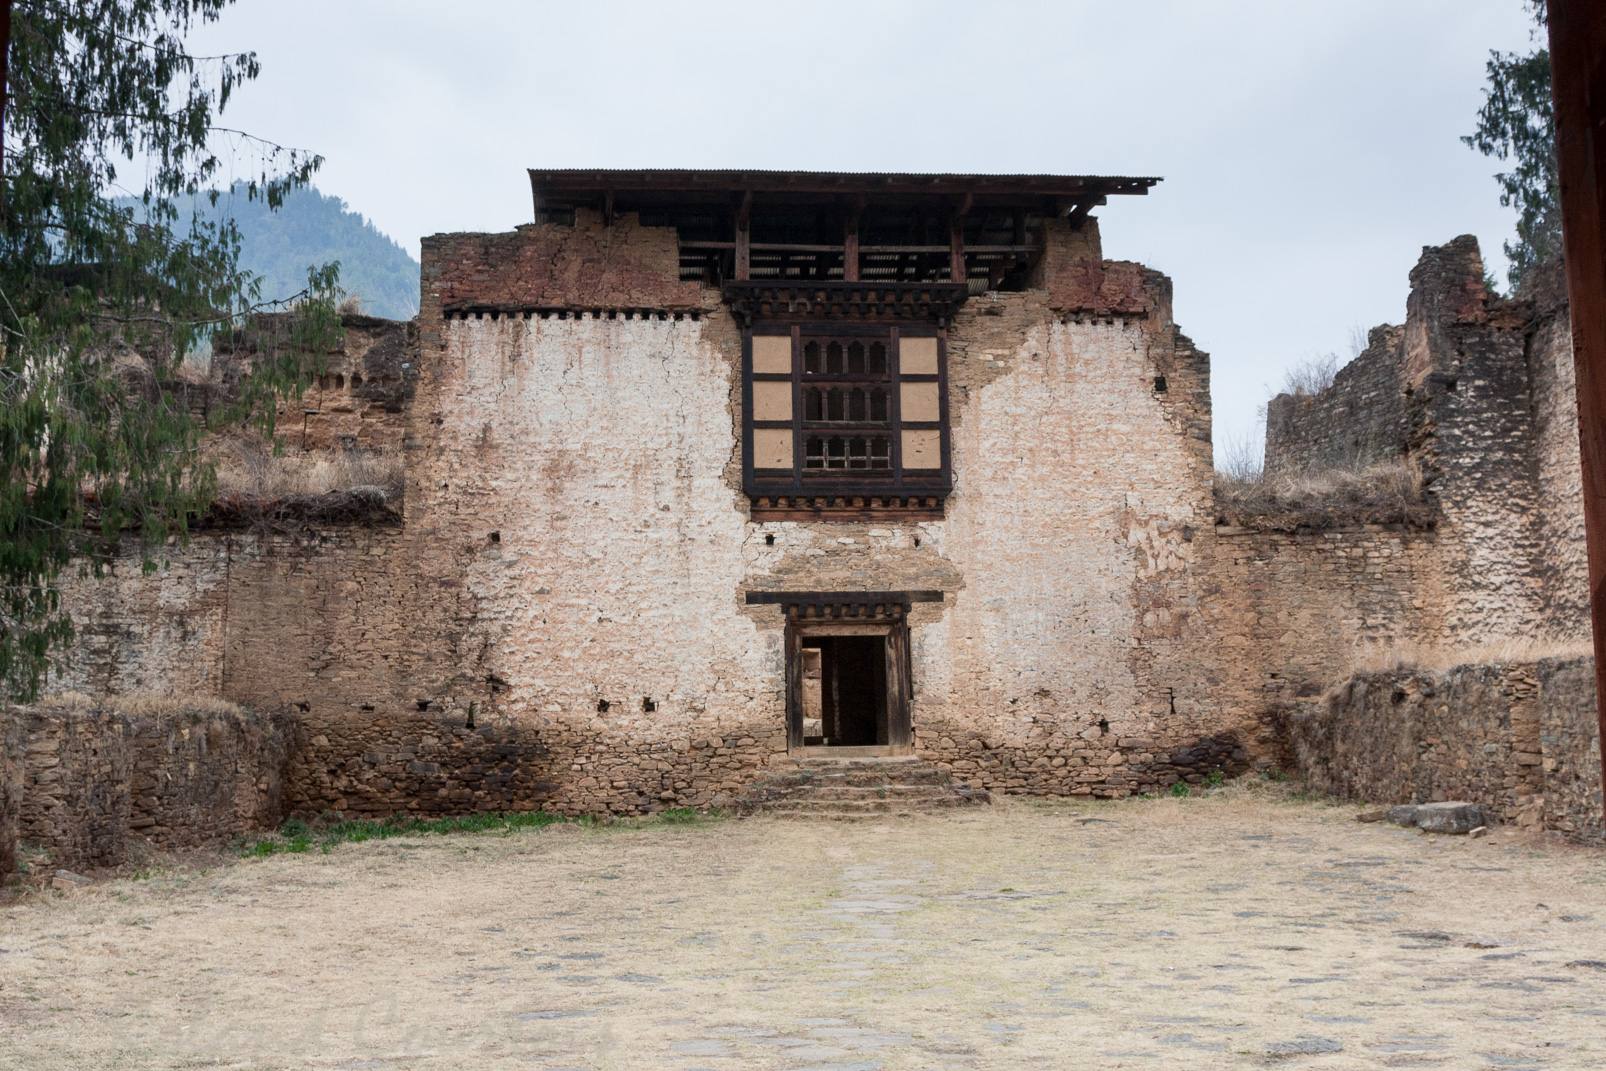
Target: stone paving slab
1235,931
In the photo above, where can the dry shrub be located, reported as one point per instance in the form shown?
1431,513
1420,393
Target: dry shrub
1311,376
1386,493
140,703
1406,656
248,468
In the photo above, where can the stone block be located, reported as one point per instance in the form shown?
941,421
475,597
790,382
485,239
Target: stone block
1404,814
1449,817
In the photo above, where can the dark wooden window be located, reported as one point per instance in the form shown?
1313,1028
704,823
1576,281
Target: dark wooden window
845,417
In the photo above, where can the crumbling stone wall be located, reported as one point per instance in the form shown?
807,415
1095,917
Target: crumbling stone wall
1362,419
582,266
1477,391
1520,739
1561,564
89,781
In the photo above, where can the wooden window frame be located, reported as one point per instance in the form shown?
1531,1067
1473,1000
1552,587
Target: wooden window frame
856,492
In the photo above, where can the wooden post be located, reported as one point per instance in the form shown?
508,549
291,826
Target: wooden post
744,242
956,250
850,248
1578,86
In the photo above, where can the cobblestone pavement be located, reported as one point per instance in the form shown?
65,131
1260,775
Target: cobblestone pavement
1226,932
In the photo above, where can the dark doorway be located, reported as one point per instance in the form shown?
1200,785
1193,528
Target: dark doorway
852,703
848,685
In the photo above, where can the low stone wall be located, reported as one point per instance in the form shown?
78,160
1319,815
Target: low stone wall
1072,763
89,781
10,791
386,764
1519,739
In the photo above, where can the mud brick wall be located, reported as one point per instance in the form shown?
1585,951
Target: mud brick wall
1298,609
92,780
1518,739
586,265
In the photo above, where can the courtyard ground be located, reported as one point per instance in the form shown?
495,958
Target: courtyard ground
1238,930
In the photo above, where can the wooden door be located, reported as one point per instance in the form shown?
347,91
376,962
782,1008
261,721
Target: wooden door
899,731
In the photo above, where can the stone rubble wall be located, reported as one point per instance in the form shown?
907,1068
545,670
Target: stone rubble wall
1362,419
1477,391
12,756
90,783
1299,610
1521,740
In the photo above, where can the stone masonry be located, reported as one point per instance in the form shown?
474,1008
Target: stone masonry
557,616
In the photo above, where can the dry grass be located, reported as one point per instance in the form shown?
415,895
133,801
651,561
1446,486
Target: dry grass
141,703
248,468
1404,656
1388,493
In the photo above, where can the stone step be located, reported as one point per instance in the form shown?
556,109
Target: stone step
924,775
854,787
860,807
865,791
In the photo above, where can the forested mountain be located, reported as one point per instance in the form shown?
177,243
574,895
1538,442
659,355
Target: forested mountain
312,228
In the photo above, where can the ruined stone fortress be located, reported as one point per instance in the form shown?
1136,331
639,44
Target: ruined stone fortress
705,471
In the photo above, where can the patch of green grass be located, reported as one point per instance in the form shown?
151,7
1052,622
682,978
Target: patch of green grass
1216,779
679,816
297,836
1179,789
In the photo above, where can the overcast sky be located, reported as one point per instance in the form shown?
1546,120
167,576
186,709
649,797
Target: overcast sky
1309,149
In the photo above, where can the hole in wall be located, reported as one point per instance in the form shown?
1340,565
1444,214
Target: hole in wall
1104,727
356,380
423,704
602,706
917,541
340,380
1450,385
496,537
1159,384
769,539
647,705
304,707
369,707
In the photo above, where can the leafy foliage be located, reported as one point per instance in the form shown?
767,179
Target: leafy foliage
98,307
1517,122
313,228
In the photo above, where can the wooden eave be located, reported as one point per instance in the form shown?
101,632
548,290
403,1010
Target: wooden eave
621,190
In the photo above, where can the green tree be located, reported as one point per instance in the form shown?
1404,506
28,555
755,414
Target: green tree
99,304
1517,123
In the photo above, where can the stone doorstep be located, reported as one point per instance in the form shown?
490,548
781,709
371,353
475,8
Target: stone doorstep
853,786
850,792
849,808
